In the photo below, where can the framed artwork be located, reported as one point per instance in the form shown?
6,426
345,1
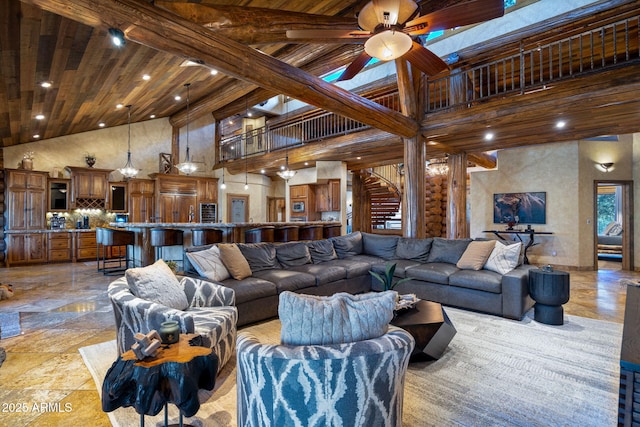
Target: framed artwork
520,208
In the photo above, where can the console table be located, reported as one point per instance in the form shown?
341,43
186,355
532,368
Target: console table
530,233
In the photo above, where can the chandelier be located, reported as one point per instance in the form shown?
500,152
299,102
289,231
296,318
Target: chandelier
187,167
128,171
437,167
284,172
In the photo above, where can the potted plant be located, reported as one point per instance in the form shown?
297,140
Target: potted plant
387,278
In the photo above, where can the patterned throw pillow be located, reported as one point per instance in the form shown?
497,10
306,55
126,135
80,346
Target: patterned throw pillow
504,258
235,262
208,264
340,318
157,283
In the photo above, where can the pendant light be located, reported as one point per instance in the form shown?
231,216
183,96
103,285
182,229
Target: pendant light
246,137
128,171
284,172
187,167
223,185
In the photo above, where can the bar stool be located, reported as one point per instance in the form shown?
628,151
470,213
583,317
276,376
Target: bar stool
108,238
161,237
286,233
260,234
331,230
311,232
205,236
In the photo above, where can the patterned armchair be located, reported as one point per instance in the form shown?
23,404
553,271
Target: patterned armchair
211,314
354,384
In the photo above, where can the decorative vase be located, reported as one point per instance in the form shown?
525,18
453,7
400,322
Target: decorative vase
90,161
27,164
169,332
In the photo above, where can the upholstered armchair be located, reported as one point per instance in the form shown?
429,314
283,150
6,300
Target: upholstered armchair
354,384
210,313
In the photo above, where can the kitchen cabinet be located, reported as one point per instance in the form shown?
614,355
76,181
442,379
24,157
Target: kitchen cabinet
117,201
178,197
176,207
303,201
58,195
328,196
86,246
207,189
141,200
26,248
59,247
26,199
89,187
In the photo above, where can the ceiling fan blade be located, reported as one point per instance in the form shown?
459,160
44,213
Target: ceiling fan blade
354,68
425,60
459,15
342,36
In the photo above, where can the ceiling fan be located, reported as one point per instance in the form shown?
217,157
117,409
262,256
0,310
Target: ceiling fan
389,29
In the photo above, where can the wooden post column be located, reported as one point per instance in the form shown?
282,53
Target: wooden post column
457,197
360,205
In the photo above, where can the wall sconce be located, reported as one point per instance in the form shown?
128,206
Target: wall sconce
606,166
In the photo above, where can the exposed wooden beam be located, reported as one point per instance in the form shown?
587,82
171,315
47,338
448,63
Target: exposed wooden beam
162,30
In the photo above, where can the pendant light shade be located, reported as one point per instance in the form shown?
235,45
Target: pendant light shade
286,173
187,167
128,171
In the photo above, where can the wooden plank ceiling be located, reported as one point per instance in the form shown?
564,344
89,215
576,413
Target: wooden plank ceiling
66,42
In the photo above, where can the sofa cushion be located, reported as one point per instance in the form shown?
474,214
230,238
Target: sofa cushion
401,266
504,258
322,272
340,318
447,250
482,280
435,272
476,255
352,267
414,249
250,289
293,254
369,259
260,256
235,262
379,245
347,245
157,283
321,251
208,264
286,280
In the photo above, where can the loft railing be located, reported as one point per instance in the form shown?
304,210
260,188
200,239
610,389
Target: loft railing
532,69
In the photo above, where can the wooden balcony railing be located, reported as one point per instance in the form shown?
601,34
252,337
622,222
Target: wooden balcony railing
600,48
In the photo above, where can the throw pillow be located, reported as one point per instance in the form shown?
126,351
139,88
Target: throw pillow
608,228
157,283
293,254
208,264
235,262
348,245
504,258
260,256
379,245
476,255
340,318
321,251
447,250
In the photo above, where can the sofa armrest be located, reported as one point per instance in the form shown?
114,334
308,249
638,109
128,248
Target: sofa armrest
515,292
203,293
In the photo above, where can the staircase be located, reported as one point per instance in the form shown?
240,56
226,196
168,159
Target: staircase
383,189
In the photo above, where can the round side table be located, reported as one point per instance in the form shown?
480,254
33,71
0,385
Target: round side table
549,289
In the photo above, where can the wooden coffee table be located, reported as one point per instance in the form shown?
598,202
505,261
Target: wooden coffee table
430,326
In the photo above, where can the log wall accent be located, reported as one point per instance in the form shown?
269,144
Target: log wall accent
436,206
457,204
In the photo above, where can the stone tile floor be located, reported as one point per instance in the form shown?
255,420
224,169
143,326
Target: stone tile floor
58,308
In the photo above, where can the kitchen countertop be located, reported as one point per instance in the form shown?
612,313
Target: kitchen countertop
64,230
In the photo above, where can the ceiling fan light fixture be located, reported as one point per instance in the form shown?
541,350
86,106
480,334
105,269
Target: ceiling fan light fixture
387,45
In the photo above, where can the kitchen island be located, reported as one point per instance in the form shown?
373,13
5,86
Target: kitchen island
144,253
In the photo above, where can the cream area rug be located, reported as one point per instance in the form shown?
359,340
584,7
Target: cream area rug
496,372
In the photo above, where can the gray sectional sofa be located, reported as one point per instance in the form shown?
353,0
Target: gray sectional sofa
342,264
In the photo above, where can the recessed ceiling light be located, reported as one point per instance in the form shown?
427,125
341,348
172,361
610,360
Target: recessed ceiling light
40,117
146,77
101,124
282,167
358,158
262,171
306,163
560,124
177,98
119,106
488,136
46,84
117,37
249,114
36,136
153,116
214,71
